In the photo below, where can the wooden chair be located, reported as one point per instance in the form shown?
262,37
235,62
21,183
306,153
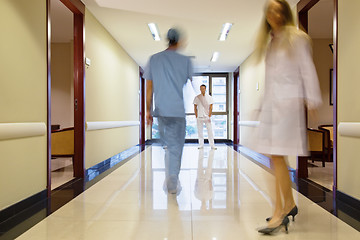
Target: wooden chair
316,144
62,143
329,138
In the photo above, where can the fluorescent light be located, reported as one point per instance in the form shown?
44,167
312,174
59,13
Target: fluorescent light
225,31
154,31
215,57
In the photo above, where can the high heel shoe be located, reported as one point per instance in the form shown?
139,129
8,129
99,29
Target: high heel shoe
292,213
269,231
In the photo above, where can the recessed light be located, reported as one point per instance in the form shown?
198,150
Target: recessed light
215,57
154,31
225,31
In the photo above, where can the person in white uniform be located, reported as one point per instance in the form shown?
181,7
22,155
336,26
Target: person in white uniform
290,81
203,104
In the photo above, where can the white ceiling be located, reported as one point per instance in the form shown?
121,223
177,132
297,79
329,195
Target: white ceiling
127,20
202,20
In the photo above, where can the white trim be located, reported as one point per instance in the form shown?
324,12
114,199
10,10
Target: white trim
21,130
91,126
349,129
249,123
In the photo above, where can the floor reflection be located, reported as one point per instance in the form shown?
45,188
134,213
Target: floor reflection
224,196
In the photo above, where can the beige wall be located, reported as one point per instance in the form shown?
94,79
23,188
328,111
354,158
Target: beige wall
323,59
252,74
62,84
23,84
348,96
112,93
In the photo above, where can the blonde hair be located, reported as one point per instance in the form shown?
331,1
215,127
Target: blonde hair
289,28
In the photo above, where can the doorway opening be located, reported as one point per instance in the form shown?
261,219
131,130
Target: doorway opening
62,94
317,20
320,29
66,124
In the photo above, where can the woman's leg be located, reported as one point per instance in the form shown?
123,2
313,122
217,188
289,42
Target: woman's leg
278,210
283,189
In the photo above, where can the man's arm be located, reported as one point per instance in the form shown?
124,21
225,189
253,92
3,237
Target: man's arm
149,95
195,110
210,110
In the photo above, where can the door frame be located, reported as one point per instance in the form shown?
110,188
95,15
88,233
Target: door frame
78,9
236,110
303,8
142,107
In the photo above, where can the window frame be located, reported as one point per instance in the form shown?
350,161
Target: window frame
210,90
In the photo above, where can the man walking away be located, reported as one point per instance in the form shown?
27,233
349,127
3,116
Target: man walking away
166,73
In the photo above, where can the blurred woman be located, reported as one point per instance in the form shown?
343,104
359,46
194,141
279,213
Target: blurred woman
290,81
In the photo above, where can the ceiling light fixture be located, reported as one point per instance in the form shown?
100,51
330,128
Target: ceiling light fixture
215,57
225,31
154,31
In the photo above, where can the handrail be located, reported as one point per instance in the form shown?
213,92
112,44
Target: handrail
249,123
349,129
21,130
91,126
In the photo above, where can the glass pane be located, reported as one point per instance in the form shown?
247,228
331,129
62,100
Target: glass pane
219,90
155,129
191,128
219,81
192,89
219,94
219,124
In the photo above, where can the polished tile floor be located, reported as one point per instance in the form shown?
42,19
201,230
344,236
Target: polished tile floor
61,171
322,175
224,196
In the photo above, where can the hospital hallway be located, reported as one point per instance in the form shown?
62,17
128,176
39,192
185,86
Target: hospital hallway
224,195
83,101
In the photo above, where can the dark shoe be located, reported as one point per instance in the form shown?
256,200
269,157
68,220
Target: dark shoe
269,231
292,213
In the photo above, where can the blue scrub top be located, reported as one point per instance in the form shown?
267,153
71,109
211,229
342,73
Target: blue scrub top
169,72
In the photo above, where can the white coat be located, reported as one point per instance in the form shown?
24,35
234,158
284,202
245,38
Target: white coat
290,81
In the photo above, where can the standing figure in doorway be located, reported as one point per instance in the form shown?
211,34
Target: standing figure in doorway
290,81
203,104
166,74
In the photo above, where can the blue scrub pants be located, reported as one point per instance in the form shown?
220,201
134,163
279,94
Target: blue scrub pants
174,138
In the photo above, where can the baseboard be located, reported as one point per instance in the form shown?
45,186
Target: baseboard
353,202
260,159
226,141
20,210
105,165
